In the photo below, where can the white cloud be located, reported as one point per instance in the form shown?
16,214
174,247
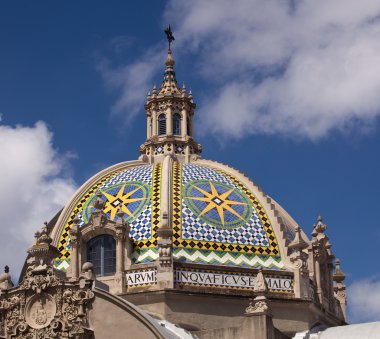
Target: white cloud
364,300
297,68
132,82
33,188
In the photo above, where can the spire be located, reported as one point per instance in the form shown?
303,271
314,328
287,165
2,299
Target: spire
169,85
148,96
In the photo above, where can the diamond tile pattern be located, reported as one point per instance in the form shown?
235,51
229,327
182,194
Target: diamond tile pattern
190,231
144,225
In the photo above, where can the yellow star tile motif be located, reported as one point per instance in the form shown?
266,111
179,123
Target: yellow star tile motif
120,200
218,201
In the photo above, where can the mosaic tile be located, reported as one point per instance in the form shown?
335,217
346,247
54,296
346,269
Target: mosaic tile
138,191
233,259
215,212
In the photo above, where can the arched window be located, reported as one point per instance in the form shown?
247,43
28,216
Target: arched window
162,124
176,124
101,252
188,127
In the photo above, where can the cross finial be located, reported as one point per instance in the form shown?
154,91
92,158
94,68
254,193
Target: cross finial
169,35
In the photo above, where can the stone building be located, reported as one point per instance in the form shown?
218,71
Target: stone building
174,246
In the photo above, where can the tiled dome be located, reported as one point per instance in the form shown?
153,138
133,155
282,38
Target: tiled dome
216,218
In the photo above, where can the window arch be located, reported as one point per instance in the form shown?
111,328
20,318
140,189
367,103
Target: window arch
162,124
177,124
101,252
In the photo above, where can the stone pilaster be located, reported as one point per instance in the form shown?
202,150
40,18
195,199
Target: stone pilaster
184,118
154,120
121,233
148,125
301,273
165,276
169,119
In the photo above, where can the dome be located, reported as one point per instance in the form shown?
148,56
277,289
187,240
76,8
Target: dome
218,215
189,240
194,233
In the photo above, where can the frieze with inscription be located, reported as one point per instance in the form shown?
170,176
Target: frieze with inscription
141,278
233,280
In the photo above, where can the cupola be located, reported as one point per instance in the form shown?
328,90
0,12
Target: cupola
170,120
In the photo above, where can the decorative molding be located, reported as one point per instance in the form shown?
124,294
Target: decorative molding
45,305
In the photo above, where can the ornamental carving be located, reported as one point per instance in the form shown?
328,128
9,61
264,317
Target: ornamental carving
258,307
40,311
60,311
300,263
45,305
39,282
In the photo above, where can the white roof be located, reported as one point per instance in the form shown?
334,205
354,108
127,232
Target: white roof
355,331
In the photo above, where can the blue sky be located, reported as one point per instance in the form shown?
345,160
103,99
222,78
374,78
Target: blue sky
287,92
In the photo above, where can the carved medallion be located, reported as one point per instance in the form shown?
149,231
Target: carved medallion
40,311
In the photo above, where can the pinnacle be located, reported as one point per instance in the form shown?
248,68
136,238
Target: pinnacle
169,59
169,85
338,276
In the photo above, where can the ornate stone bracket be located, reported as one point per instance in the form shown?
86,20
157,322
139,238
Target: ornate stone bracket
45,305
259,305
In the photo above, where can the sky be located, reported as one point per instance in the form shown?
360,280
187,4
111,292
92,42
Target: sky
286,91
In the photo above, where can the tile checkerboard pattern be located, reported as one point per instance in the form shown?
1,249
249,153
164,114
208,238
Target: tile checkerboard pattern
250,244
143,226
